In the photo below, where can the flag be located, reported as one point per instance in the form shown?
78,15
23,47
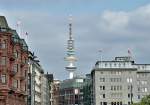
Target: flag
129,52
18,23
26,33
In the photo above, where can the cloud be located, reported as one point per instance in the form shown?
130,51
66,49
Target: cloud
114,21
113,31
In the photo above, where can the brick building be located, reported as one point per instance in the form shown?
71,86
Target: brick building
13,66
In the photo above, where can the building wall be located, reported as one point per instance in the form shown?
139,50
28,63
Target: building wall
35,82
121,83
55,94
87,90
13,66
45,96
71,92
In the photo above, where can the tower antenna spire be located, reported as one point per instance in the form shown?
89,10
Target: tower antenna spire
70,58
70,26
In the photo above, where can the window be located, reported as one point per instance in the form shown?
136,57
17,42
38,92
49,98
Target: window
144,89
105,64
104,103
3,61
119,64
128,103
138,82
124,64
120,103
139,97
110,65
16,54
114,87
137,75
3,78
15,84
102,79
25,87
111,80
111,88
118,87
101,103
129,80
102,87
103,95
129,95
3,45
144,82
25,74
15,68
117,103
138,89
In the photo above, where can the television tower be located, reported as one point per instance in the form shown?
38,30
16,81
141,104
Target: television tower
70,58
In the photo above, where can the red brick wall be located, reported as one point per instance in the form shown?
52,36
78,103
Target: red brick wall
17,96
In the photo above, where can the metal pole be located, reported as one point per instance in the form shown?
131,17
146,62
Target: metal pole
100,58
131,95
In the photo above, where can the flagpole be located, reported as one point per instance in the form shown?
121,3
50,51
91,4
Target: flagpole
19,27
26,37
129,55
100,58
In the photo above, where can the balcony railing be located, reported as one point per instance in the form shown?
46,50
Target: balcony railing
13,88
22,77
22,64
13,73
12,57
23,92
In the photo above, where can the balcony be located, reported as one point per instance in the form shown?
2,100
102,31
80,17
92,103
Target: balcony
22,64
23,93
12,73
22,77
12,57
12,89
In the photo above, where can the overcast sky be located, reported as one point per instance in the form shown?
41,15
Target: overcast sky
113,26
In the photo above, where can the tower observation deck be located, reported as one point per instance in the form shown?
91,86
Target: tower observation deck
70,58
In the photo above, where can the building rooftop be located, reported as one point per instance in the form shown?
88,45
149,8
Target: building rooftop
72,83
3,22
121,63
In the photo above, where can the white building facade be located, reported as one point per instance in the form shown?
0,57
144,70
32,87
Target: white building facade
120,82
34,82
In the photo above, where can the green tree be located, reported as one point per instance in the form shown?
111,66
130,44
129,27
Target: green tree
144,101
